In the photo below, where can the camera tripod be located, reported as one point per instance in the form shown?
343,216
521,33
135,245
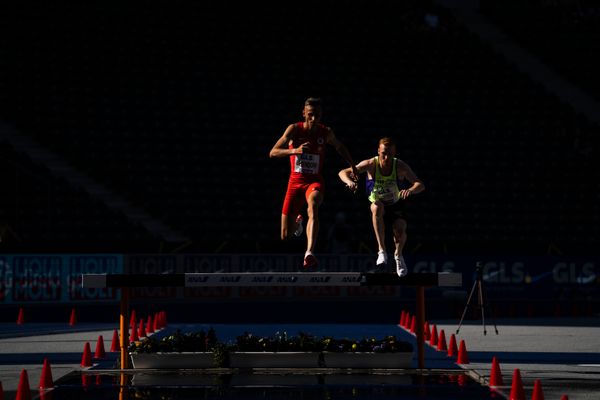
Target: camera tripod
482,300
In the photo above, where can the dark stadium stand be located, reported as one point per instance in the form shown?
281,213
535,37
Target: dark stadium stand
176,108
44,214
565,34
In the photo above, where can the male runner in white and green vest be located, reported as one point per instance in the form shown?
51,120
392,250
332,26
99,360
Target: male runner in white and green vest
386,177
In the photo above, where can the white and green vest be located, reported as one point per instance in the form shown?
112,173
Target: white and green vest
385,188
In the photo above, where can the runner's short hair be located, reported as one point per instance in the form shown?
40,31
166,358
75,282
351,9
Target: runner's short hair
313,101
387,141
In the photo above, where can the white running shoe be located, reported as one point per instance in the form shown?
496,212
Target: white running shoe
401,268
381,259
299,227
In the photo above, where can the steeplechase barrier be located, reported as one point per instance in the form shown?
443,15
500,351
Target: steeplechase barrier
125,281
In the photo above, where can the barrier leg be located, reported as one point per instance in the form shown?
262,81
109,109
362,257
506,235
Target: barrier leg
124,327
420,322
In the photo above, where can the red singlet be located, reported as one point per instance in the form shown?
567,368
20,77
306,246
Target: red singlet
305,173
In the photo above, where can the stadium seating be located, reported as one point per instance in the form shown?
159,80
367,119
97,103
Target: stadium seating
176,109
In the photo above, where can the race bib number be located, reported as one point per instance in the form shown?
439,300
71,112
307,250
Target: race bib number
387,194
307,163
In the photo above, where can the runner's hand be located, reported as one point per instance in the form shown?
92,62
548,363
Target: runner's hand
352,186
304,148
354,174
404,193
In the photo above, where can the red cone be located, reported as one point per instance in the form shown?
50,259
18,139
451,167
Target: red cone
23,390
496,374
516,390
156,321
452,348
134,334
73,319
1,392
46,381
462,353
142,329
21,317
433,339
86,358
412,324
132,319
100,353
401,318
564,397
115,345
538,394
407,321
150,325
441,346
426,331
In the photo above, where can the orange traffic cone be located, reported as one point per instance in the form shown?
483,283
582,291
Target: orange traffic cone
100,353
462,353
538,394
452,348
496,374
86,358
73,319
115,345
21,317
433,338
441,346
46,381
516,390
23,390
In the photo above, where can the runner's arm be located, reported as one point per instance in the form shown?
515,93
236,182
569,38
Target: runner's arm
281,147
346,174
417,186
342,151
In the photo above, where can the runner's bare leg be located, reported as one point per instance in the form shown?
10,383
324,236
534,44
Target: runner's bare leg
315,198
378,224
399,236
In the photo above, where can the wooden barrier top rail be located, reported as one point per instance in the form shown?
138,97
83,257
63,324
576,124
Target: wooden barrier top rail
447,279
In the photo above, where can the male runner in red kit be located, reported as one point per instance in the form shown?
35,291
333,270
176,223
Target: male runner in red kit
304,142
